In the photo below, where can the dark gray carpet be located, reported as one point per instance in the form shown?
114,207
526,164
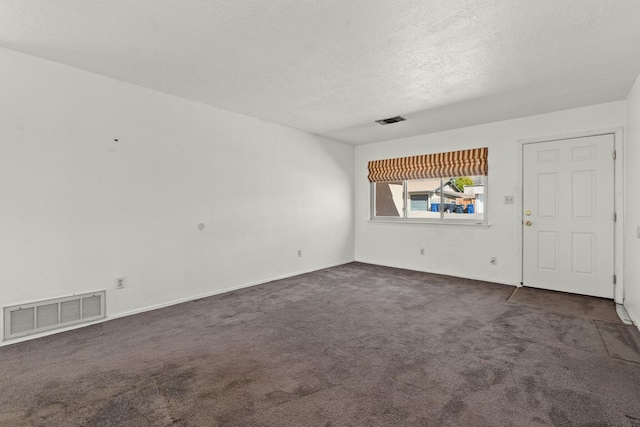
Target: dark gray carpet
356,345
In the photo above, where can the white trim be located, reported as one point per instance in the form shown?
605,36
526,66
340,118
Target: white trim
635,319
572,135
441,220
170,303
623,315
479,279
519,204
462,222
618,255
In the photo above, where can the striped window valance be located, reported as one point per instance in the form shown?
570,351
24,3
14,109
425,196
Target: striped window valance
438,165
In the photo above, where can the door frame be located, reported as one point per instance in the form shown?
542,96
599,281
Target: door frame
618,197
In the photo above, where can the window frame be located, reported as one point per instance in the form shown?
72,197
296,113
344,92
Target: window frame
442,220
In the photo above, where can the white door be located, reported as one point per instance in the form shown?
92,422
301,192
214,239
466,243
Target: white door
567,223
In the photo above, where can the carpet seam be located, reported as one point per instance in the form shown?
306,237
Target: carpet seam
607,348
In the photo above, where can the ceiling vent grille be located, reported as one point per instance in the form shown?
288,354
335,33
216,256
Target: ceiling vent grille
390,120
35,317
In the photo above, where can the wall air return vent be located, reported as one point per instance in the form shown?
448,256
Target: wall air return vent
390,120
32,318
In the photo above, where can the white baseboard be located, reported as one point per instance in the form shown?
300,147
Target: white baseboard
170,303
221,291
635,319
480,279
623,315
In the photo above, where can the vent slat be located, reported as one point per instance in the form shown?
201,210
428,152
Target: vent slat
70,311
22,321
47,315
91,306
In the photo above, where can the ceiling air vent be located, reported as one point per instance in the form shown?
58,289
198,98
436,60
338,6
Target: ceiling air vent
390,120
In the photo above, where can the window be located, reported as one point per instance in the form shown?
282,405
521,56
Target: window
431,199
444,187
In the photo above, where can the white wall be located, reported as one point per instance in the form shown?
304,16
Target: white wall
78,209
632,204
465,250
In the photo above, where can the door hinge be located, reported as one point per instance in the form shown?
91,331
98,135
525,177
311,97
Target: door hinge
615,279
614,154
615,216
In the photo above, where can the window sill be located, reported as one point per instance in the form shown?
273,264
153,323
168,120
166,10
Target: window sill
436,223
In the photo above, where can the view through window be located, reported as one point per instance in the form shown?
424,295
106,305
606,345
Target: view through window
437,187
459,198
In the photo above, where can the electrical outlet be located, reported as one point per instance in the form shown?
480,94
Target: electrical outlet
493,260
121,283
299,253
508,200
421,251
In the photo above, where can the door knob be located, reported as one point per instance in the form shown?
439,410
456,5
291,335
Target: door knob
528,213
528,223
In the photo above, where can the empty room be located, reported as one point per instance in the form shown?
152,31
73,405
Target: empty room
319,213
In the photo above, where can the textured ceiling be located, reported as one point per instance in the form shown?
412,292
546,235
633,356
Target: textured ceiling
333,67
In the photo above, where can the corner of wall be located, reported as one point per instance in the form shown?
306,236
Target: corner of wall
632,204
